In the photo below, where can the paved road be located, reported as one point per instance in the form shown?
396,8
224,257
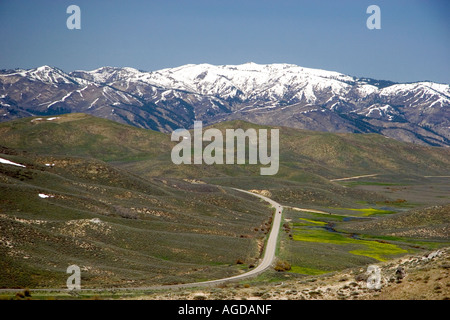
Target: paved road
269,252
266,262
355,177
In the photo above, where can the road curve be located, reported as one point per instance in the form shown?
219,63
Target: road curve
269,252
266,262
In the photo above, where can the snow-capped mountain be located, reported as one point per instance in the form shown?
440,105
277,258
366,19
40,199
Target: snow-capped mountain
275,94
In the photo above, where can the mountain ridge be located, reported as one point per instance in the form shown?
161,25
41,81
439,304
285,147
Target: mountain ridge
272,94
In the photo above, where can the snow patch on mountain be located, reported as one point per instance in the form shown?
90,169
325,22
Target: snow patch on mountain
381,111
281,94
5,161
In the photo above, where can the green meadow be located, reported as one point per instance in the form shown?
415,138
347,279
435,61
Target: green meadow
366,212
314,247
369,248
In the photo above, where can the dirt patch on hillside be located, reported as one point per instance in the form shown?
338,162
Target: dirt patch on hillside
79,228
265,193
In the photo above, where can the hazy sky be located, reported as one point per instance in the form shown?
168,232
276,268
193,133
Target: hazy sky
413,44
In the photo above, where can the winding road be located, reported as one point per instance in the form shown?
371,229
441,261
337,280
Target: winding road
269,251
266,262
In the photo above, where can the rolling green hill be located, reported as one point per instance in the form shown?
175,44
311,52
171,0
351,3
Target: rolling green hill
119,228
308,159
107,197
302,153
82,135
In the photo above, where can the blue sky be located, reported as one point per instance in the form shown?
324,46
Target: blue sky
413,44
